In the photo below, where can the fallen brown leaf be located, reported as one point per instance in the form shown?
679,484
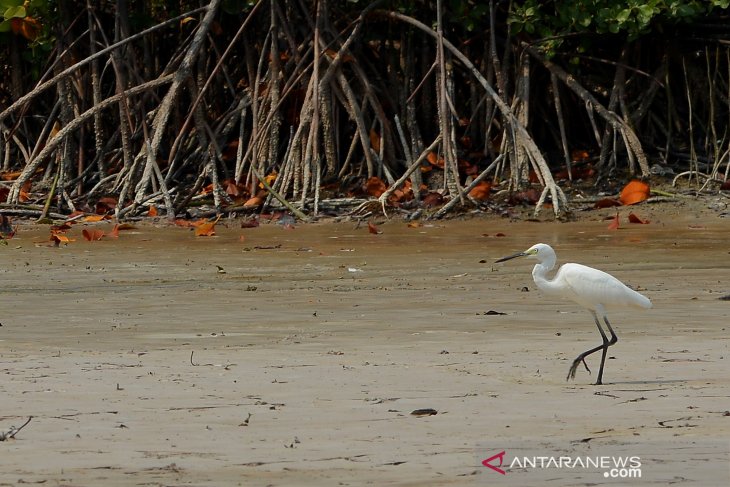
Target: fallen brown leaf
93,234
372,228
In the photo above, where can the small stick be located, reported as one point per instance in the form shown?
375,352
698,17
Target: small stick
14,431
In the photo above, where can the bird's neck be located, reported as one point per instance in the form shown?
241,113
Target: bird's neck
539,274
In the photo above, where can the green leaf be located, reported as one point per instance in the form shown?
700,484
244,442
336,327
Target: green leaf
623,15
684,10
15,12
5,26
6,4
646,12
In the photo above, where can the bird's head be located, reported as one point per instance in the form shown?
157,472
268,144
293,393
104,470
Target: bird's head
541,252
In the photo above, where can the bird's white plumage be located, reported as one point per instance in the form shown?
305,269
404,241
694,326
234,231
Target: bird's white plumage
593,288
588,287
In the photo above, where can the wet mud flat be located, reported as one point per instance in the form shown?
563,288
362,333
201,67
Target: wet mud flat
296,357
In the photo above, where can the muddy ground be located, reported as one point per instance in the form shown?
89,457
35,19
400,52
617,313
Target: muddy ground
296,356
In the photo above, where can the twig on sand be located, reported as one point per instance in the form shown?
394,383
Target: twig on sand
6,435
227,366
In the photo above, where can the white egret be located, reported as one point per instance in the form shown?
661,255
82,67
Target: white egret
593,289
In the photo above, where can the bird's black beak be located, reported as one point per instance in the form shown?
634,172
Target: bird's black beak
509,257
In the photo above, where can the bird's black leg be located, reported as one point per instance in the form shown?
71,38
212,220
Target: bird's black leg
612,341
603,346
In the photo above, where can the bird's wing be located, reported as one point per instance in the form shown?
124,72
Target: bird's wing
593,288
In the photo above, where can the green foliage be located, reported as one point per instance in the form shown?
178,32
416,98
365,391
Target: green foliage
11,9
469,14
632,18
25,18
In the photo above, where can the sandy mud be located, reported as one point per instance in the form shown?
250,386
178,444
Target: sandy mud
296,357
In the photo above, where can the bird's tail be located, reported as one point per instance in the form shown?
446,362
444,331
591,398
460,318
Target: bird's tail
641,301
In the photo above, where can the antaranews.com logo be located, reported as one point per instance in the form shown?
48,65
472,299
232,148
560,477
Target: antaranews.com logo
622,467
701,462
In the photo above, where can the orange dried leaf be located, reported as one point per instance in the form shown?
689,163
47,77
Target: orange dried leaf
614,225
232,188
30,28
152,211
634,192
435,160
253,202
207,189
55,129
92,235
375,140
10,176
59,239
372,228
635,219
375,187
183,223
467,168
271,177
115,231
579,155
105,204
94,218
206,229
481,191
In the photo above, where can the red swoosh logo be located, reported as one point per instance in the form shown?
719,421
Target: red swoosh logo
499,455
